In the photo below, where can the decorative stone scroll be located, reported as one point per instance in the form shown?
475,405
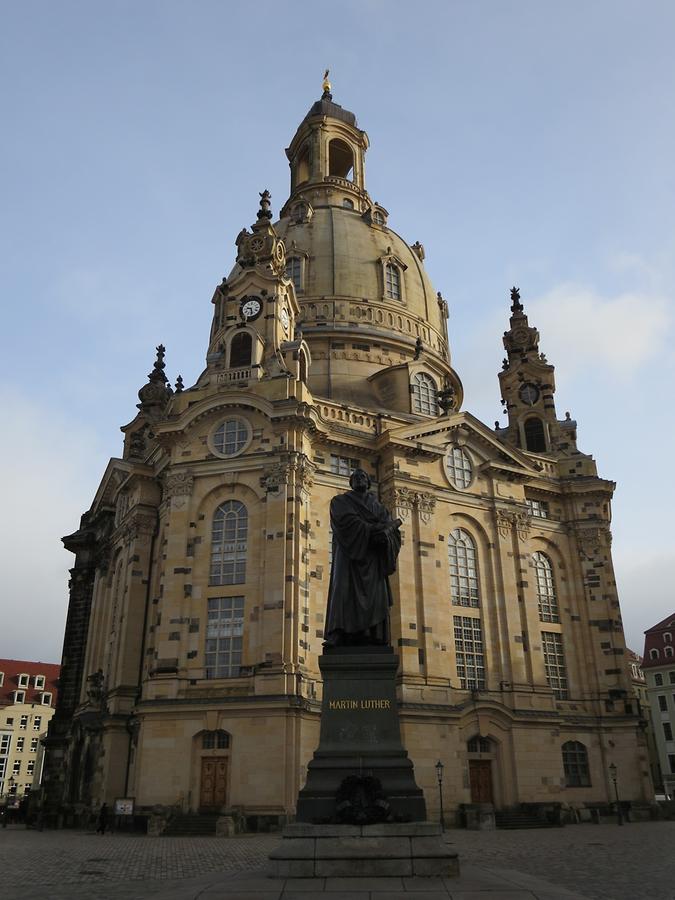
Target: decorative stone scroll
179,484
426,504
508,519
590,541
401,502
279,474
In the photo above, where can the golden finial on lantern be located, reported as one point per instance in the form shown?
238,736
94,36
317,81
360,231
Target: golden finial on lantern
326,83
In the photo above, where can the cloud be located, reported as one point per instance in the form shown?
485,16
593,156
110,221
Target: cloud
644,581
51,468
592,332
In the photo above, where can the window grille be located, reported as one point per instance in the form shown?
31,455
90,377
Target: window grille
215,740
224,637
231,437
554,662
538,508
229,544
424,393
294,271
548,602
479,745
463,569
343,465
392,281
575,764
469,653
458,464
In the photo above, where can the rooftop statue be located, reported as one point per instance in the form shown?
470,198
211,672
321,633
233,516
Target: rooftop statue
366,543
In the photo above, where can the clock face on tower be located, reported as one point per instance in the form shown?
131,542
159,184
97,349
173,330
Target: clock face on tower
251,307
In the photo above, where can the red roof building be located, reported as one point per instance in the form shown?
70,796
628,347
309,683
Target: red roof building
28,682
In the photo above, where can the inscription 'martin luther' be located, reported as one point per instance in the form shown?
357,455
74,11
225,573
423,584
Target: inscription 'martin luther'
359,704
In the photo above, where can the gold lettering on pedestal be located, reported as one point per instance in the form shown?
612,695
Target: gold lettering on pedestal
359,704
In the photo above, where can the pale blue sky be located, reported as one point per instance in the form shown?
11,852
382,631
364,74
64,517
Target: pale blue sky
520,142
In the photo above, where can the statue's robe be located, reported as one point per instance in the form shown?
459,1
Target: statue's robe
366,543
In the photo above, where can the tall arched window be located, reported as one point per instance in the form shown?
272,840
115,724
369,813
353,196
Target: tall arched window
303,166
463,570
228,543
294,271
340,159
535,437
392,281
548,602
241,349
424,393
575,764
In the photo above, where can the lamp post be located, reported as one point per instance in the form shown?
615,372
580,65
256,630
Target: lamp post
439,775
619,815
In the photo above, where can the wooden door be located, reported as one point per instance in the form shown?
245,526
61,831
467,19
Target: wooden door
213,789
480,776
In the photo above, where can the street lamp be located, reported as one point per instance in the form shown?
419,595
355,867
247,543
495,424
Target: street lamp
439,775
612,775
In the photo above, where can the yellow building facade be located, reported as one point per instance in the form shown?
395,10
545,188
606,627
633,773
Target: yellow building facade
190,675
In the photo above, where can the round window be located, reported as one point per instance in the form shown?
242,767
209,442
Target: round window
231,437
459,468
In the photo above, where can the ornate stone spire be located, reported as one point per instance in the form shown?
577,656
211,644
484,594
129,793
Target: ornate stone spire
520,340
155,394
261,246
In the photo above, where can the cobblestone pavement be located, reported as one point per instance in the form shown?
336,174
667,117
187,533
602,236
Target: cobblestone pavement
601,862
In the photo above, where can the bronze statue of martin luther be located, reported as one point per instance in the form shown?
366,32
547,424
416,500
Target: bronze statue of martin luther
366,543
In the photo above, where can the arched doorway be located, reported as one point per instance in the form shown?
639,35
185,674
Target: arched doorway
214,769
481,754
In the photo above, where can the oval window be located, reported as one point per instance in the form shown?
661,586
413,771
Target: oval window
231,437
459,468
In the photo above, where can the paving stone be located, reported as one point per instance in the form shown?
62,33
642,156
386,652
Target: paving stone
364,883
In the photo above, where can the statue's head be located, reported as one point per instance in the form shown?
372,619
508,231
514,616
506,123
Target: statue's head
359,480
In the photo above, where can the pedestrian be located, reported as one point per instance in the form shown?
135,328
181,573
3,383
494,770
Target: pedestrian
102,818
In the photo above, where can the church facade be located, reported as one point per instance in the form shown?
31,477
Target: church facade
190,671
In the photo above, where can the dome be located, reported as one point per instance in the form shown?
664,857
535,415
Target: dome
367,305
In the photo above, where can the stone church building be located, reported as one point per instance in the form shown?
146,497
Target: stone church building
198,590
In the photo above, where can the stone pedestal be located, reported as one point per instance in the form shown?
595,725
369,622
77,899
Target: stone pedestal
325,851
360,740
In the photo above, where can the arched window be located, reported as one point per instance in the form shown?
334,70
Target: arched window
215,740
229,543
347,203
459,467
303,367
667,637
340,159
424,393
378,218
463,570
575,764
240,350
668,652
392,281
653,653
479,745
535,438
303,165
294,271
548,602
